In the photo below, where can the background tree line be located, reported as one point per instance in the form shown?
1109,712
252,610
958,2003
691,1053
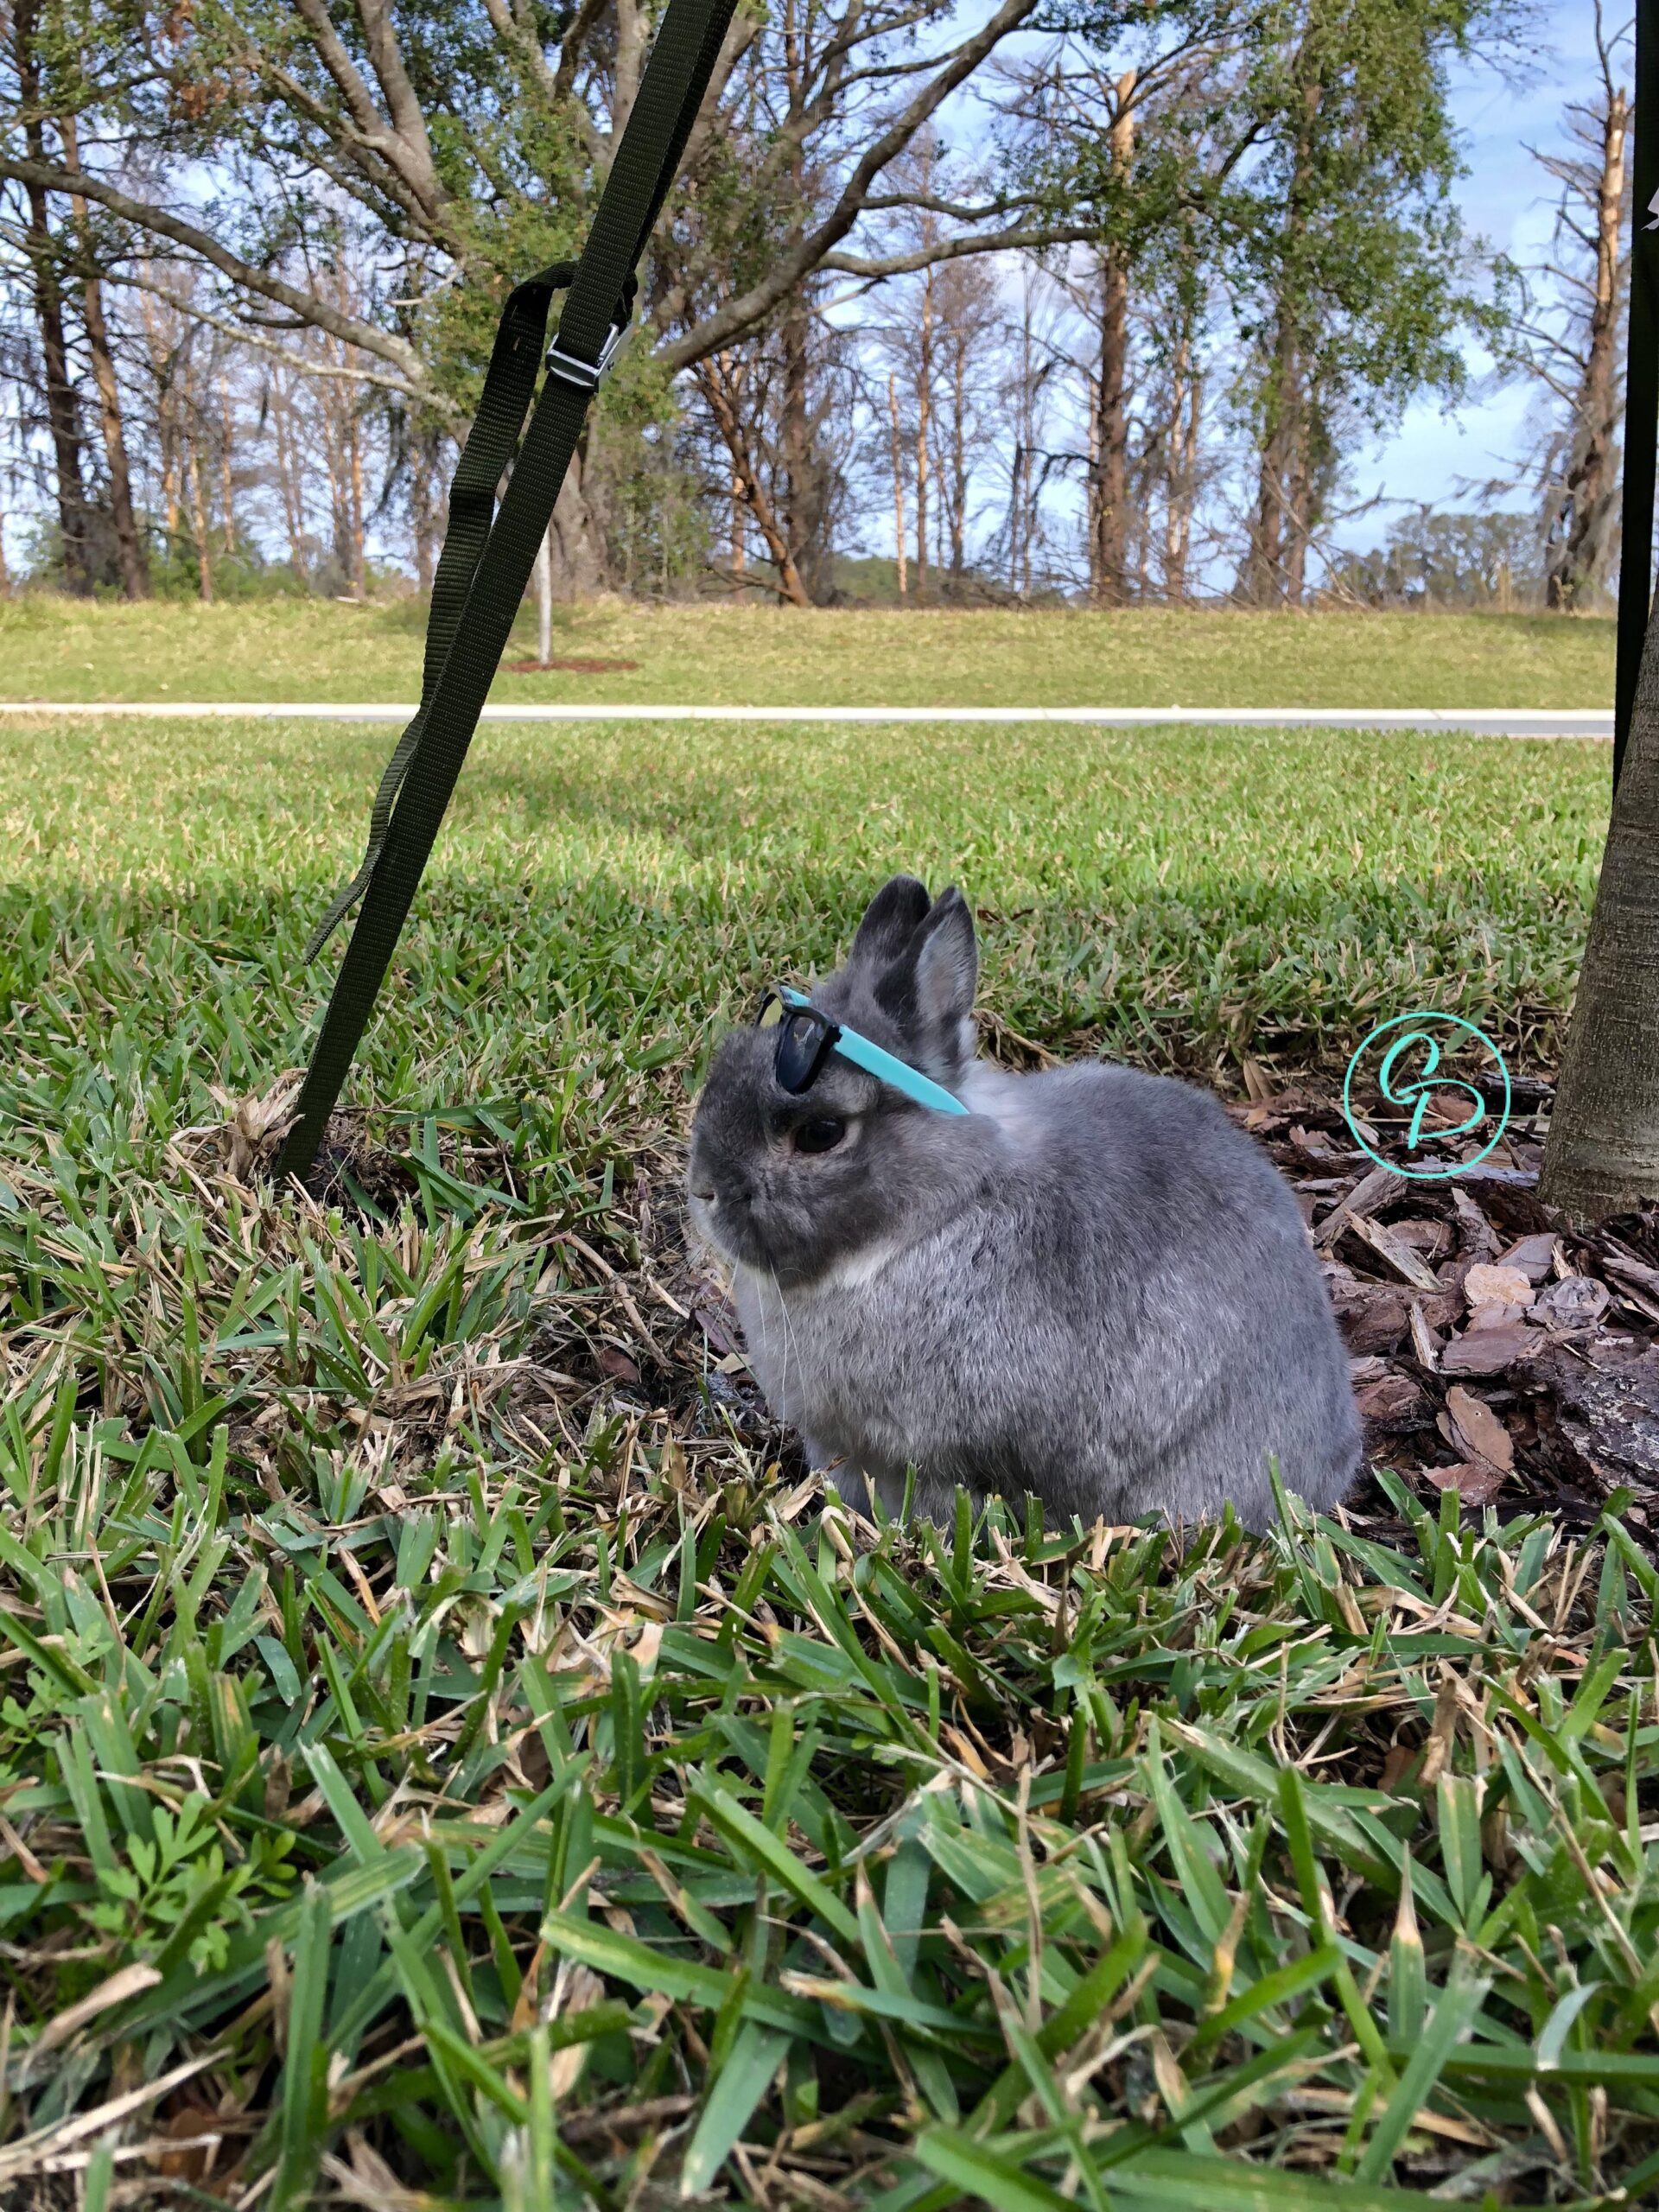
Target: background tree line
1062,296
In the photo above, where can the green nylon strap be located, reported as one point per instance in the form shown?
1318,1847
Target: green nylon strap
509,384
486,564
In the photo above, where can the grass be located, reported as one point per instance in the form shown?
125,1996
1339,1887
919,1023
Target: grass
447,1755
1177,898
55,648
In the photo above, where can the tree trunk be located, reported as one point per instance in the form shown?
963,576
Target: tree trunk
578,569
959,461
543,574
1280,527
1109,564
328,395
1111,437
923,395
291,486
1022,520
61,411
732,371
198,520
803,516
718,391
1262,581
1182,489
354,449
1587,513
1602,1156
226,466
632,36
897,487
128,545
163,363
1299,515
1030,529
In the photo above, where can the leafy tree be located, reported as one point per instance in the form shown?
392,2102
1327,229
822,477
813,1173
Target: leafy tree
465,141
1129,132
1351,266
1459,559
461,146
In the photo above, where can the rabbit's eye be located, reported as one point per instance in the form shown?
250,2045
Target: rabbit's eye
823,1134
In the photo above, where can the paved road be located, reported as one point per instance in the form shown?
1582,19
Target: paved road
1592,722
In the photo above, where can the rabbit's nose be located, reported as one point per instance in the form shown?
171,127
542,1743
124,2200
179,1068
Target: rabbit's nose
707,1197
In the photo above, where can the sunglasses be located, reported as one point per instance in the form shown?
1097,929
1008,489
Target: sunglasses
807,1037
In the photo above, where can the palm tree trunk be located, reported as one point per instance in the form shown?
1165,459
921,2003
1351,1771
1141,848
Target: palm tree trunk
1602,1156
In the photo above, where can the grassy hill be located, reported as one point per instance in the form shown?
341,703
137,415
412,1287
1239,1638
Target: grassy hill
54,648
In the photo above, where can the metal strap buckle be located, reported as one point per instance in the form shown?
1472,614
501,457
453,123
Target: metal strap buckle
570,368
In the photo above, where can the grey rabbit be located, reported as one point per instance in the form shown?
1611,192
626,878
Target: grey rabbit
1090,1286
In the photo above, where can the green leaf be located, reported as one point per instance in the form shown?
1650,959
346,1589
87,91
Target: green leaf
1458,2004
304,2085
976,2170
755,2058
762,1848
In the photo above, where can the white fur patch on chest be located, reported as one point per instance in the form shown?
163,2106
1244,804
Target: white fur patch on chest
861,1268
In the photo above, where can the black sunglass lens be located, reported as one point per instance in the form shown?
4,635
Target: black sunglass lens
798,1047
772,1012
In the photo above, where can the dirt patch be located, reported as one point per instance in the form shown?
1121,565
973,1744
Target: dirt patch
576,664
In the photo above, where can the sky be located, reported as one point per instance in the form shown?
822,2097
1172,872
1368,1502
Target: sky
1508,200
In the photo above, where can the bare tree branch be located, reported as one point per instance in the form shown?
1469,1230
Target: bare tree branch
1031,239
926,201
298,362
565,77
810,250
412,164
521,42
383,345
406,119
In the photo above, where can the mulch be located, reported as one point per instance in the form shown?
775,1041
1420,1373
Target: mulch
1495,1352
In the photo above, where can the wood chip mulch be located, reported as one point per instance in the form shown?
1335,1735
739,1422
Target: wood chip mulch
1494,1353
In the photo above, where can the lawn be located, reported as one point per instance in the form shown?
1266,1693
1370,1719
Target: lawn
54,648
447,1757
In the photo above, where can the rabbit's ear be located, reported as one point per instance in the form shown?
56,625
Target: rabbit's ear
890,921
947,963
929,990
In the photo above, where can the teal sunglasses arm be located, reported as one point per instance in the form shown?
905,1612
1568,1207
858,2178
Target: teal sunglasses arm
886,1069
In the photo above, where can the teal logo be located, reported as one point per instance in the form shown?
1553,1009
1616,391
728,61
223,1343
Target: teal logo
1425,1060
